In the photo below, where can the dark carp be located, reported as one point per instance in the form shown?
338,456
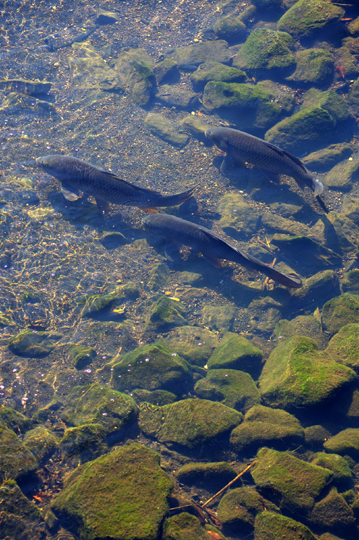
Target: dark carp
242,147
212,246
77,176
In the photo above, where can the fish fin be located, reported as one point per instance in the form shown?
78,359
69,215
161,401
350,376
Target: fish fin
150,210
273,177
70,193
322,204
102,205
300,183
213,260
230,161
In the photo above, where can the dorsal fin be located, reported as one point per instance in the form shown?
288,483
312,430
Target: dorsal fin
287,154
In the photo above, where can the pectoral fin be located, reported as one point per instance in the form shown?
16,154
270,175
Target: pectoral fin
273,177
70,193
102,205
230,161
150,210
215,262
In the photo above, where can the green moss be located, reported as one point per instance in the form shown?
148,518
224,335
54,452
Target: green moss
232,29
296,374
15,459
308,17
344,346
333,513
41,442
346,442
33,344
337,464
81,356
340,311
239,353
190,423
314,66
165,313
207,475
330,101
215,71
182,527
193,343
120,495
134,67
269,526
87,442
237,509
20,518
298,483
14,420
218,94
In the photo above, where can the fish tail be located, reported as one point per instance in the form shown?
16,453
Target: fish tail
288,280
317,187
172,200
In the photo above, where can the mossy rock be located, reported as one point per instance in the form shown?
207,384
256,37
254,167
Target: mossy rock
294,482
350,282
87,442
196,54
314,66
231,387
120,495
196,127
20,518
266,4
206,475
316,289
190,423
343,57
156,397
173,96
81,355
297,374
344,443
339,466
182,527
343,176
350,208
353,27
219,318
231,29
307,128
16,460
325,159
92,72
266,52
239,353
315,437
15,420
341,233
271,526
303,325
353,97
250,106
316,255
340,311
194,343
158,277
96,404
215,71
134,69
238,508
164,314
41,442
330,101
166,71
151,367
264,426
164,129
344,346
333,513
237,216
307,18
95,305
33,343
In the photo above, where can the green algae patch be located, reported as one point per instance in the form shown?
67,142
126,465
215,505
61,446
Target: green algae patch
237,509
270,526
297,374
193,343
333,514
264,426
15,459
164,314
344,443
81,356
330,101
335,463
14,420
151,367
182,527
33,344
237,352
87,442
308,126
120,495
308,17
344,346
340,311
96,404
314,66
267,51
296,483
190,423
231,387
303,325
207,475
41,442
215,71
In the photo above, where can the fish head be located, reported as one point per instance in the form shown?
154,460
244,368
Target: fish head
147,221
55,165
218,136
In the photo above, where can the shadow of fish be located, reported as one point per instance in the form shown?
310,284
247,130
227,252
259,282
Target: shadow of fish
78,176
242,147
212,246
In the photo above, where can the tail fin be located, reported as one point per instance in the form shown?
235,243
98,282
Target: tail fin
170,200
288,280
317,187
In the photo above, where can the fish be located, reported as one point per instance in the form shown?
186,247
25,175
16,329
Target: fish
212,246
77,176
243,147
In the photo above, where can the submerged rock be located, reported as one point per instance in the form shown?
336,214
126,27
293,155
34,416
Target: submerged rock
314,66
344,346
219,318
237,216
307,18
343,176
231,29
335,463
333,513
317,289
120,495
297,374
190,423
237,352
41,442
295,483
180,98
303,325
215,71
264,426
151,367
206,475
15,420
134,69
194,343
200,52
271,526
182,527
164,129
15,459
231,387
87,442
306,252
344,443
164,314
325,159
340,311
81,356
166,71
330,101
33,343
